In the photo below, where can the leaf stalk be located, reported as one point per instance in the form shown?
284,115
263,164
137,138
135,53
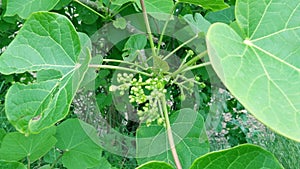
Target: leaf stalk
148,27
169,133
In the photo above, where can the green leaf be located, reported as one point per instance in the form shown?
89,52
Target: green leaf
197,22
62,3
46,42
156,165
25,8
133,45
244,156
262,68
16,146
159,9
208,4
103,100
79,141
103,164
50,74
11,165
189,137
226,16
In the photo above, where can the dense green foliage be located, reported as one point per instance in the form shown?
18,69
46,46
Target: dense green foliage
144,84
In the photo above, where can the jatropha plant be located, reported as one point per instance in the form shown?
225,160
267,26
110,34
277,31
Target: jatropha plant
162,56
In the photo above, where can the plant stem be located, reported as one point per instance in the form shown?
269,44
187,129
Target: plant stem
124,62
56,160
196,66
89,8
165,27
119,68
169,133
148,27
179,47
192,61
28,162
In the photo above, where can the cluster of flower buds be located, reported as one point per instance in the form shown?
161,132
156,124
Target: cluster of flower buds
147,93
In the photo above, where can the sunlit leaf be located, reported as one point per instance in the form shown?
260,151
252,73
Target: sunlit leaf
245,156
262,68
47,41
25,8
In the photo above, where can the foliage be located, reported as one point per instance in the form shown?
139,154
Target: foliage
102,84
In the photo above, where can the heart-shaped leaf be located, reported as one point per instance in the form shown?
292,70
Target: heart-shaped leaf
189,137
16,146
25,8
245,156
262,68
156,165
46,42
79,142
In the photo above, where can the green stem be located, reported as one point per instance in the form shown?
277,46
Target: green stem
180,46
192,61
119,68
56,160
124,62
148,27
196,66
186,80
28,162
165,27
169,133
89,8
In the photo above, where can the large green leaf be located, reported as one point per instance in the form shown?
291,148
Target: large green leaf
155,165
189,137
79,141
25,8
46,42
214,5
11,165
245,156
16,146
262,68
